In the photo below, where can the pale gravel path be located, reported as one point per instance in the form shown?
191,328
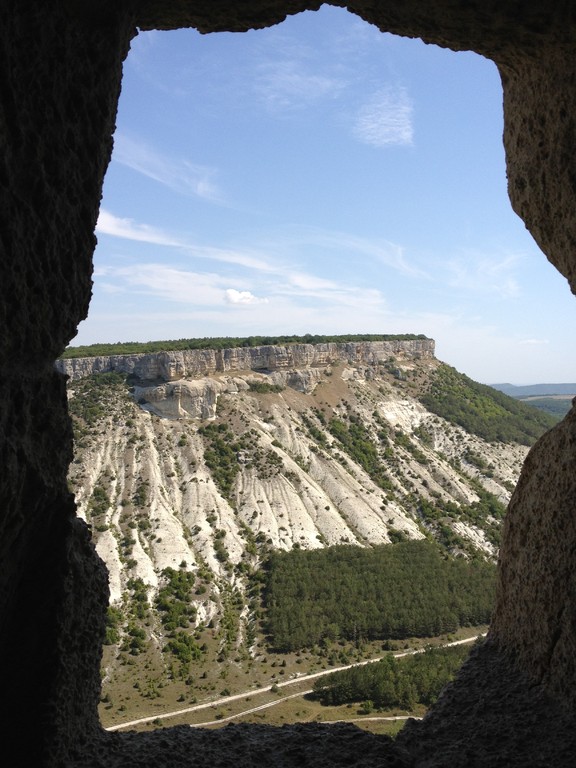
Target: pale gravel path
295,681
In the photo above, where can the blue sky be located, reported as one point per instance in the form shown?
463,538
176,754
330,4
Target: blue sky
321,177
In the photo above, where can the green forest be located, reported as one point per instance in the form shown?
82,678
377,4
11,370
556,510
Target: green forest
393,682
392,591
557,407
482,410
226,342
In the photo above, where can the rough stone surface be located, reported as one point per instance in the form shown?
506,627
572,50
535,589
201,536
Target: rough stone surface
539,137
536,613
494,716
61,64
247,746
58,98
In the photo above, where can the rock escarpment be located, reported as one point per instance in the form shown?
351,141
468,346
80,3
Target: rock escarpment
535,611
148,481
63,65
198,398
193,363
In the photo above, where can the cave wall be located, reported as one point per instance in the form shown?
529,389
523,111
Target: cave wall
59,87
61,62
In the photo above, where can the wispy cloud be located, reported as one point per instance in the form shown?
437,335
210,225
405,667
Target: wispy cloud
179,174
479,273
382,251
182,286
535,342
128,229
386,119
288,85
302,288
287,292
308,282
248,258
275,275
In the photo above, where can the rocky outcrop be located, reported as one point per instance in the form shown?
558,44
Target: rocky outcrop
197,398
536,613
193,363
186,399
61,82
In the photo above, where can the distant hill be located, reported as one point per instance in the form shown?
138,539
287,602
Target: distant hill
532,390
554,399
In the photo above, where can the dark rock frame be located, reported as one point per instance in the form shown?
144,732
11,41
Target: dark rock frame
61,67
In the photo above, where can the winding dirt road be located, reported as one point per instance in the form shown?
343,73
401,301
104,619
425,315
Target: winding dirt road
258,691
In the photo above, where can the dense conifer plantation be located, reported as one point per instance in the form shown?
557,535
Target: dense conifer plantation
408,589
391,682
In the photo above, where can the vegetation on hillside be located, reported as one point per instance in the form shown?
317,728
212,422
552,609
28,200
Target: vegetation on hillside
557,407
227,342
225,453
482,410
408,589
221,455
263,387
92,400
392,682
486,514
355,438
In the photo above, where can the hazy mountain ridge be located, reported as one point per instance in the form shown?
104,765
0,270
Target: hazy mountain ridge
554,399
533,390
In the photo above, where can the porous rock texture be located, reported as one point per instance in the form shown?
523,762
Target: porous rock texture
61,66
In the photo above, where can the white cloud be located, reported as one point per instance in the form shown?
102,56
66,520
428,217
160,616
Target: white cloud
242,297
276,277
386,119
179,174
168,283
535,342
128,229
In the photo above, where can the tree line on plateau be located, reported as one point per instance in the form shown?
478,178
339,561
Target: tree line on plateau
227,342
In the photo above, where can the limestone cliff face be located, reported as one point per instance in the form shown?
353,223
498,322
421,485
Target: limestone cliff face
148,478
143,451
197,398
194,399
193,363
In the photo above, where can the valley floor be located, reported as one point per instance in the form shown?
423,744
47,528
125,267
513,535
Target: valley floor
277,702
